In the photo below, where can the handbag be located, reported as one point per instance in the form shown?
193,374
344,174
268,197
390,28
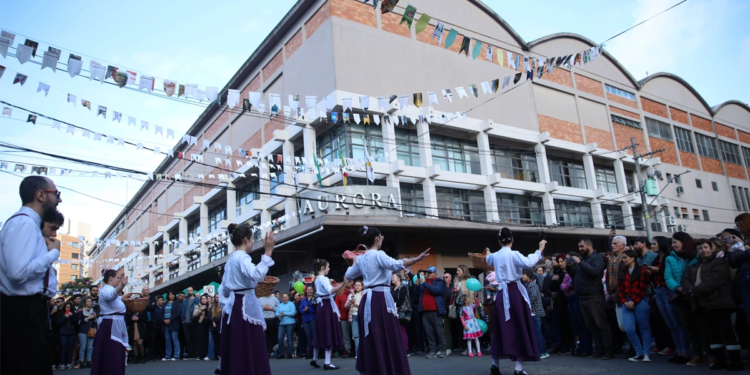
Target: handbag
404,311
92,331
620,322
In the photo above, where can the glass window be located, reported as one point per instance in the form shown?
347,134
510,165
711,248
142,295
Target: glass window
276,181
246,195
739,199
730,152
705,216
194,230
696,214
455,155
74,267
684,140
174,272
605,179
412,199
573,214
407,147
630,181
613,216
216,215
278,227
714,186
514,164
706,146
746,156
74,255
461,204
349,140
73,277
76,245
659,129
330,142
626,122
638,218
698,183
194,264
520,209
360,181
567,173
618,92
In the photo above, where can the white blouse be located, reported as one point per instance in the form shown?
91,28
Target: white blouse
109,304
240,273
324,290
509,265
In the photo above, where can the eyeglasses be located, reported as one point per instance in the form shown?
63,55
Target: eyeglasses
56,192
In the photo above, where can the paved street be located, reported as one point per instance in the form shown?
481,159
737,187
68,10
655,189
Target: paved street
453,365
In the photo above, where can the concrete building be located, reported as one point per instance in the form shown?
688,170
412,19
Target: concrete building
546,159
71,264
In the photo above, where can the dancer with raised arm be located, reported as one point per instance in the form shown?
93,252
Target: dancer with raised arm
513,334
243,345
111,342
378,352
327,327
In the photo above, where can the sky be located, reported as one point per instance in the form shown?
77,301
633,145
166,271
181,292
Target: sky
703,41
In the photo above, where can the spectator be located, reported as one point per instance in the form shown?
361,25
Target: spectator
301,338
181,329
85,319
618,245
159,343
539,275
583,349
285,312
342,296
459,289
432,309
561,319
450,325
94,294
668,311
202,319
707,285
353,305
537,310
683,255
740,259
188,325
66,320
632,288
53,341
417,340
171,312
150,339
277,294
587,273
136,323
307,309
400,295
216,325
490,287
269,304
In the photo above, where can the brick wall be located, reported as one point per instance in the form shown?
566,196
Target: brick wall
701,123
589,85
217,125
323,13
559,76
736,171
273,65
679,116
623,134
651,106
389,22
252,142
414,247
354,11
194,192
625,113
176,207
293,44
426,36
744,137
602,138
560,129
621,100
689,160
269,127
725,131
711,165
669,155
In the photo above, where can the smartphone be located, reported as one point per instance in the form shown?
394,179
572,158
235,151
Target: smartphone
611,227
728,240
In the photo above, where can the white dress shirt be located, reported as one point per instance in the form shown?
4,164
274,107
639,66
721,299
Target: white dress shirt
509,265
240,273
24,259
109,305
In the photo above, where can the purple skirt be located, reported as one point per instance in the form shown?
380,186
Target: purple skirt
243,345
383,350
109,355
327,328
514,339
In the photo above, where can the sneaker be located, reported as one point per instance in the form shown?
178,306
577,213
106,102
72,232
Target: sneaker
638,358
471,354
646,358
479,353
174,359
448,352
666,351
441,355
543,356
696,361
431,355
655,350
165,359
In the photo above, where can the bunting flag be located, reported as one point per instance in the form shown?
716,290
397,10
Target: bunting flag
473,89
447,95
477,50
408,15
120,78
432,98
500,57
465,46
101,111
7,111
72,99
74,65
343,166
86,103
495,85
368,165
317,170
517,78
418,99
438,32
43,87
169,87
366,119
422,23
20,78
388,6
489,53
31,119
451,38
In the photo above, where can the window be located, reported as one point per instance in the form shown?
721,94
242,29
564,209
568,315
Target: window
216,215
696,214
520,209
567,173
706,146
407,147
276,181
74,255
675,179
659,129
638,218
741,197
630,181
515,165
626,122
120,228
573,214
194,263
247,195
76,245
360,133
714,185
330,142
746,156
412,200
677,212
698,183
618,92
277,227
613,216
73,277
684,140
74,267
730,152
455,155
605,179
684,212
348,141
461,204
174,272
705,216
217,251
194,230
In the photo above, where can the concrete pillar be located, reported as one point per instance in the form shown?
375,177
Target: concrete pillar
184,238
485,163
622,182
231,201
146,268
309,135
548,201
164,255
627,214
290,204
425,158
204,233
597,214
389,147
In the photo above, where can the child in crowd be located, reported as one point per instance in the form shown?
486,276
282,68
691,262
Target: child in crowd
537,309
472,332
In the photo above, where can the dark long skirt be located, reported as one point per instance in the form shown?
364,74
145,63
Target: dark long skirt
201,338
327,328
513,339
243,346
109,355
383,351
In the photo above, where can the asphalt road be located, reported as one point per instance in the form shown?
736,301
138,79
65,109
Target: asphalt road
452,365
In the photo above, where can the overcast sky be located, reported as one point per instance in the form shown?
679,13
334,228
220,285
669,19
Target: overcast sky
704,42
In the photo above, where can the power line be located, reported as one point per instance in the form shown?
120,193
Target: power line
642,22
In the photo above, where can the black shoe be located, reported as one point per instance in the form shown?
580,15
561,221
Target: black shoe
314,364
608,356
309,356
217,372
564,351
554,351
494,370
680,360
673,359
280,356
595,355
288,356
330,366
522,372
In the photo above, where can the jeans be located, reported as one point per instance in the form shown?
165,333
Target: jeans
539,336
433,329
288,331
579,325
416,325
301,340
355,333
309,332
672,319
189,329
211,349
66,349
172,338
346,331
639,314
87,347
595,316
745,292
696,333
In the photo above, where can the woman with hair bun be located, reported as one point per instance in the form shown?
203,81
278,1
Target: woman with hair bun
513,336
112,335
243,345
327,327
377,316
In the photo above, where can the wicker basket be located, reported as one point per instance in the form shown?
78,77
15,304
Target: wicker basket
136,305
266,287
357,252
480,260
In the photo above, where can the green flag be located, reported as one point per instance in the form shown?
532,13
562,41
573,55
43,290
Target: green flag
343,166
477,49
422,23
451,38
317,169
408,15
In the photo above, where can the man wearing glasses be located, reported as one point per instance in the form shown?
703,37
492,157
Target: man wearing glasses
26,257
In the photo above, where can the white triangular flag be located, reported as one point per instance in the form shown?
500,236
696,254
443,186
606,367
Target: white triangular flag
233,98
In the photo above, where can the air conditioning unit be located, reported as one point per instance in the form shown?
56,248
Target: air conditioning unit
680,190
672,229
682,228
671,221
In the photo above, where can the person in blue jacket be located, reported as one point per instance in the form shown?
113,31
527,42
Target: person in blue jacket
286,312
432,309
683,255
307,309
171,313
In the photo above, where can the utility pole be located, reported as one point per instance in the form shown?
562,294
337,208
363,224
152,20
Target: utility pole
641,187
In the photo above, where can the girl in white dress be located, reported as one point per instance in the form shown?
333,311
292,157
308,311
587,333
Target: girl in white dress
327,327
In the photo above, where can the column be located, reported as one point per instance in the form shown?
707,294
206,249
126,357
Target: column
548,200
231,201
425,158
151,253
290,204
164,255
309,135
485,162
627,214
184,239
204,233
389,146
597,213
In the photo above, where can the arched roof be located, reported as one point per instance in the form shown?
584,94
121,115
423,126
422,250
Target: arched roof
502,23
718,108
679,80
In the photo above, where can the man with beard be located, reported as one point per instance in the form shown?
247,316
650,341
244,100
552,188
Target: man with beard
26,258
187,323
94,294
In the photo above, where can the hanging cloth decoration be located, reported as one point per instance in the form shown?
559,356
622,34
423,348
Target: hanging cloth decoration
408,15
422,23
477,50
388,6
465,46
418,99
438,32
451,38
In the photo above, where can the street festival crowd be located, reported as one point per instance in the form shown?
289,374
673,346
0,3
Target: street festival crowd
682,299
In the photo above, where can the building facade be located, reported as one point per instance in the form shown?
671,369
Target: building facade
547,157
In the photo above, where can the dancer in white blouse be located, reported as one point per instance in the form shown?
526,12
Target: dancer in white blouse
243,345
327,328
378,352
110,351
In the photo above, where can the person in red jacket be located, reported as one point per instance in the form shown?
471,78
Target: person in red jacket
346,326
632,286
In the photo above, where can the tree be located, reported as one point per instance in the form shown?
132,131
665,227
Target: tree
80,285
